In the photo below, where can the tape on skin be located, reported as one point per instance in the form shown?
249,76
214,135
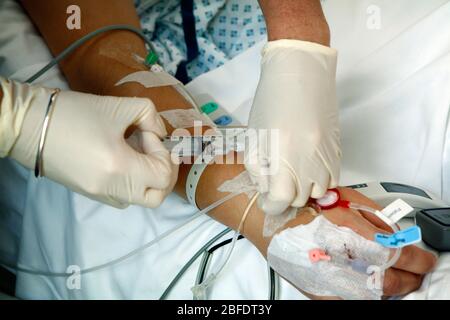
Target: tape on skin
150,79
243,183
345,275
184,118
119,52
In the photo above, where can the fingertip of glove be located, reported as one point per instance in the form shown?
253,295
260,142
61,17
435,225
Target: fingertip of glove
318,191
303,195
152,121
272,207
154,198
156,125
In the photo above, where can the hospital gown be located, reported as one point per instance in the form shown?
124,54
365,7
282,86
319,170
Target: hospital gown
223,28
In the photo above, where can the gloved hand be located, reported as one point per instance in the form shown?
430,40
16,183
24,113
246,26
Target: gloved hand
352,243
85,148
297,96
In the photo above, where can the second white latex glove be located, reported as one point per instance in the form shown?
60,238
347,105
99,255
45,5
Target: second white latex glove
296,95
85,148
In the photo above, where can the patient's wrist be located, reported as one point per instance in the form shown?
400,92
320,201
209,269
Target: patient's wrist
317,33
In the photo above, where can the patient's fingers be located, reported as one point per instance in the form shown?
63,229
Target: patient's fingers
399,282
353,220
377,222
416,260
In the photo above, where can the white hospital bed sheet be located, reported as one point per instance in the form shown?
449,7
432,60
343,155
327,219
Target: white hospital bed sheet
54,228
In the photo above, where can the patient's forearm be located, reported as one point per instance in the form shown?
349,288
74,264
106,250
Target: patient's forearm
88,66
296,19
98,64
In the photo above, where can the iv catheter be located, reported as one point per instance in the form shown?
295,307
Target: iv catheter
332,199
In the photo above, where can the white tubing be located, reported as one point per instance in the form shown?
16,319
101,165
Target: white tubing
130,254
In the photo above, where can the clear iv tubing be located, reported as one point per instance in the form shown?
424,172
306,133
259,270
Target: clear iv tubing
130,254
199,289
393,225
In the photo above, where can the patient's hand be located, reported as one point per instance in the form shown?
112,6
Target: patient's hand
414,262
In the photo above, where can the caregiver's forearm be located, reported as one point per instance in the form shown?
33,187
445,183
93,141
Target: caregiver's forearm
296,19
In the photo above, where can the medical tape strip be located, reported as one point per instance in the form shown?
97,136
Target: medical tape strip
157,77
241,183
353,271
274,222
186,118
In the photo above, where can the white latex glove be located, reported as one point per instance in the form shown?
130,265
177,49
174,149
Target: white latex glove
85,148
296,95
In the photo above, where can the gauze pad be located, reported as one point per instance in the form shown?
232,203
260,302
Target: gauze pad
345,275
